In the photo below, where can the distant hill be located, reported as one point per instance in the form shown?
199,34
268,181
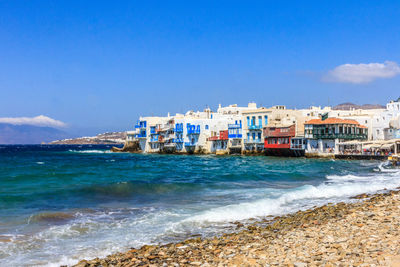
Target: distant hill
28,134
104,138
349,106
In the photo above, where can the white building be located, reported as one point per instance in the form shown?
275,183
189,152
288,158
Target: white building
186,133
381,123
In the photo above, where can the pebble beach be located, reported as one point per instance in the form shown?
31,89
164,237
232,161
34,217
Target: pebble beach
364,232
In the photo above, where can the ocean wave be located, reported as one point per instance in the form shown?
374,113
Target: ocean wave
300,198
150,201
97,233
386,167
348,177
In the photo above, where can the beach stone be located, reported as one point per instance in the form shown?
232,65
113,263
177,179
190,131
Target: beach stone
363,233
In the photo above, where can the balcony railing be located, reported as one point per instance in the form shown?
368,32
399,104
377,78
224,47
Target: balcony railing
141,124
178,140
179,128
193,131
140,135
189,144
169,145
154,139
297,146
254,127
234,126
280,132
235,136
165,127
339,136
253,141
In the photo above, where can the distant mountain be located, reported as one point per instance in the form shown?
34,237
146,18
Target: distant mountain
349,106
104,138
28,134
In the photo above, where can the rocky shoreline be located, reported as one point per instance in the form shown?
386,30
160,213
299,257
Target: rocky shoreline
363,233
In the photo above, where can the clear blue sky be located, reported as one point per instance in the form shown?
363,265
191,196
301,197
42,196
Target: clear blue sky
98,65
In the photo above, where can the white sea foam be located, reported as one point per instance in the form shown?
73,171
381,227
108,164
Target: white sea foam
102,232
306,196
385,167
90,235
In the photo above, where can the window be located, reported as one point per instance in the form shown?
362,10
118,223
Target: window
254,136
266,120
259,136
206,127
248,136
253,120
259,120
248,120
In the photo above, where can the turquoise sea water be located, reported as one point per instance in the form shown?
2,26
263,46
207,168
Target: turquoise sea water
59,204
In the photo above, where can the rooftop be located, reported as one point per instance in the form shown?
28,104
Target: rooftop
333,121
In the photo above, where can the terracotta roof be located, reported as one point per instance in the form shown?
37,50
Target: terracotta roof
331,121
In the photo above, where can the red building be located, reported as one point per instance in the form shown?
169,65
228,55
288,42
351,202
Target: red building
277,140
219,142
223,135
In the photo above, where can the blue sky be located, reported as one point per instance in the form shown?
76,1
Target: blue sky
98,65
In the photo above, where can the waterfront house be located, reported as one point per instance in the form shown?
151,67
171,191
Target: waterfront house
141,130
324,134
254,121
235,137
219,143
279,141
178,138
277,116
166,135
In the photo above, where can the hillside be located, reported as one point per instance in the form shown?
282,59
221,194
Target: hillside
348,106
28,134
104,138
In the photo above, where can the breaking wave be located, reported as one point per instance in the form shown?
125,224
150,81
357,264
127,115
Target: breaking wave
339,188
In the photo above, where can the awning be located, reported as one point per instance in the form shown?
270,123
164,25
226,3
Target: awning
387,146
371,146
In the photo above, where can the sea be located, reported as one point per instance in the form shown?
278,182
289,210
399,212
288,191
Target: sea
63,203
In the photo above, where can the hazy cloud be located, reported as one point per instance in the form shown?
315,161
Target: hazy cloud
362,73
36,121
